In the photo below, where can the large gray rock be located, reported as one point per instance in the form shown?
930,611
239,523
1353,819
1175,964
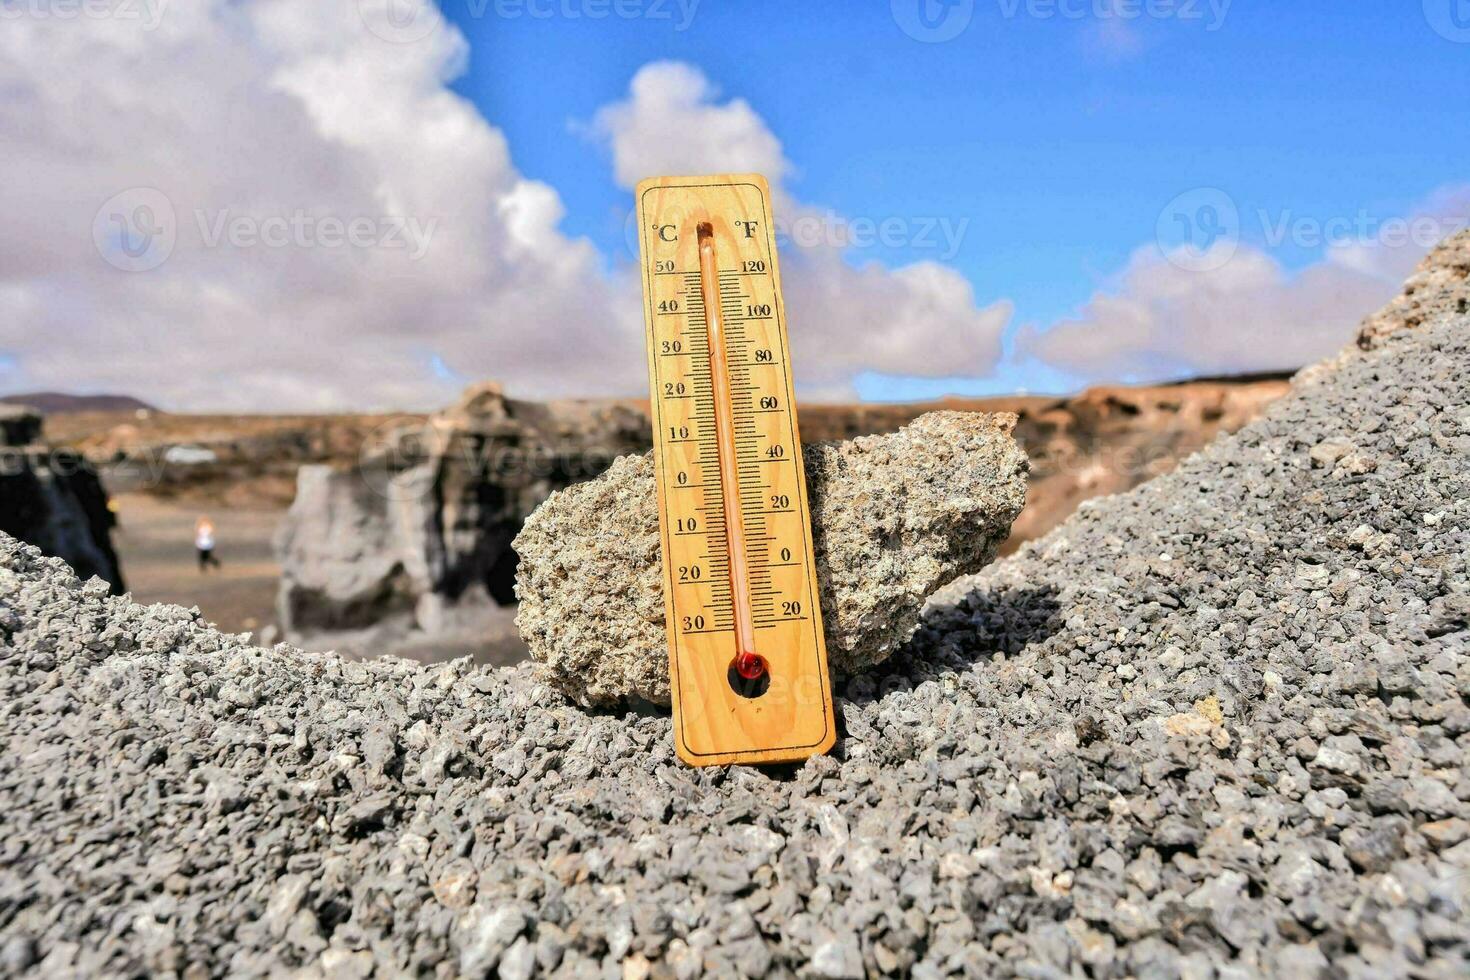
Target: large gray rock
894,518
409,549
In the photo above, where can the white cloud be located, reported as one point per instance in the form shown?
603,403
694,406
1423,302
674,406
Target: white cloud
298,152
1248,313
263,136
671,124
845,317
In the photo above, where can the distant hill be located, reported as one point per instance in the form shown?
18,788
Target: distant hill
1246,378
60,403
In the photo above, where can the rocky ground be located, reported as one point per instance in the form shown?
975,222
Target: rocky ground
1214,727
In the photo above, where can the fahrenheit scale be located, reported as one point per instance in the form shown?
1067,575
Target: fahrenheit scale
747,658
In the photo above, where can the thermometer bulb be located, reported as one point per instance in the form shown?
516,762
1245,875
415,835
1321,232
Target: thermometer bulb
751,666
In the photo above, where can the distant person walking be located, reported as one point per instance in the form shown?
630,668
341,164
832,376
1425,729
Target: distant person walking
204,543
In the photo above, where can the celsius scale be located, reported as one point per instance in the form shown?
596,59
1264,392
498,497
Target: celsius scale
747,657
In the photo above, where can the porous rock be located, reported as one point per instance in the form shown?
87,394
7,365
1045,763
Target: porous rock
894,517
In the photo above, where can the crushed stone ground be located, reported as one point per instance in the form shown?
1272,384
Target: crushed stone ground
1215,727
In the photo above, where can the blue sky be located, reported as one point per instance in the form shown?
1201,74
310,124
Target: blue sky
1057,139
1085,191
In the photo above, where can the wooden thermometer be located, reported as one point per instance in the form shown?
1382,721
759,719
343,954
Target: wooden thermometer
747,659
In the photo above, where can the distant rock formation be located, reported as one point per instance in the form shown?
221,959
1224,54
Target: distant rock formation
1110,439
19,425
1104,440
59,402
53,499
409,548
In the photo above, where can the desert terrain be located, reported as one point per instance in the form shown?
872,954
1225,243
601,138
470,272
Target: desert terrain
155,538
1102,441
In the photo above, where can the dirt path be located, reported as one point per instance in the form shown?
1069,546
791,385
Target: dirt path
155,542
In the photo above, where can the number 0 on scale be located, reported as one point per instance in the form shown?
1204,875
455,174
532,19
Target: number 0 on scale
747,660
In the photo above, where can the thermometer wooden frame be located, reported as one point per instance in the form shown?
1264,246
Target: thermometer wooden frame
720,387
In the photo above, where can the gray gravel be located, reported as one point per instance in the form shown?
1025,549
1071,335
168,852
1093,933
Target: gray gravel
1217,726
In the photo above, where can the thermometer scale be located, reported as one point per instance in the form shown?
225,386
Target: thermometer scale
747,658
